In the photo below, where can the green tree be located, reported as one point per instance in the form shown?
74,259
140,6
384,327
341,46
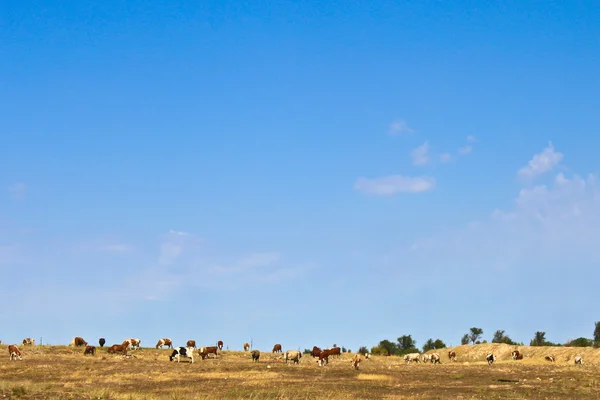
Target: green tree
363,350
389,347
539,339
465,339
431,344
406,342
596,334
580,342
501,337
475,334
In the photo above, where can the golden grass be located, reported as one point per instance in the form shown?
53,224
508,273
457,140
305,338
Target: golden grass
60,372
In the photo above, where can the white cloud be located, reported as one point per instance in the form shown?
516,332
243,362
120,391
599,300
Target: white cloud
393,184
471,139
174,244
420,155
249,262
18,190
465,150
398,127
117,248
541,163
445,158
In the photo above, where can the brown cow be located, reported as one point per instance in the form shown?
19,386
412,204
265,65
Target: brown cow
517,355
135,343
324,356
191,343
205,351
246,346
78,341
220,344
335,351
255,355
356,361
164,342
452,355
14,352
119,348
316,351
277,348
550,358
90,350
29,341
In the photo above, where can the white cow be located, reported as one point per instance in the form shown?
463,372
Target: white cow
435,358
426,358
490,358
578,360
182,352
135,343
293,356
412,357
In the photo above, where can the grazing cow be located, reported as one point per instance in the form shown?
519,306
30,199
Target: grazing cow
412,357
335,351
89,350
356,361
77,341
205,351
367,356
135,343
490,358
191,343
277,348
246,346
164,342
426,358
101,341
293,355
220,344
316,351
182,352
119,348
29,341
452,355
255,355
550,358
435,358
323,357
14,352
578,360
516,355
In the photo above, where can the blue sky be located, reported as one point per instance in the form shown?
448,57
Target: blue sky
306,173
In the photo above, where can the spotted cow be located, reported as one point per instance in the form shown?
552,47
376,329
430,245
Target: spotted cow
182,352
164,342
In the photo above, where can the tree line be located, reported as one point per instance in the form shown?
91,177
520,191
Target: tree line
406,344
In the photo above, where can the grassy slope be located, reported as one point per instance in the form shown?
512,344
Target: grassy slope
61,372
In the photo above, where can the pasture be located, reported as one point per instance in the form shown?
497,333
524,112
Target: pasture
59,372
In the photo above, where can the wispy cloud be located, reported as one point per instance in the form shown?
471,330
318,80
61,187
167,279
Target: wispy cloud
174,244
420,155
399,127
18,190
249,262
471,139
541,163
465,150
393,184
445,158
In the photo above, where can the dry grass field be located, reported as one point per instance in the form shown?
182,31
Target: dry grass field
59,372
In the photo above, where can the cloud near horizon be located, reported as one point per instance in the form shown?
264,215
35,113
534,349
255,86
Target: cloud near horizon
394,184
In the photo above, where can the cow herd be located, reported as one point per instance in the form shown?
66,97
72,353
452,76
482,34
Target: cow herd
290,356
